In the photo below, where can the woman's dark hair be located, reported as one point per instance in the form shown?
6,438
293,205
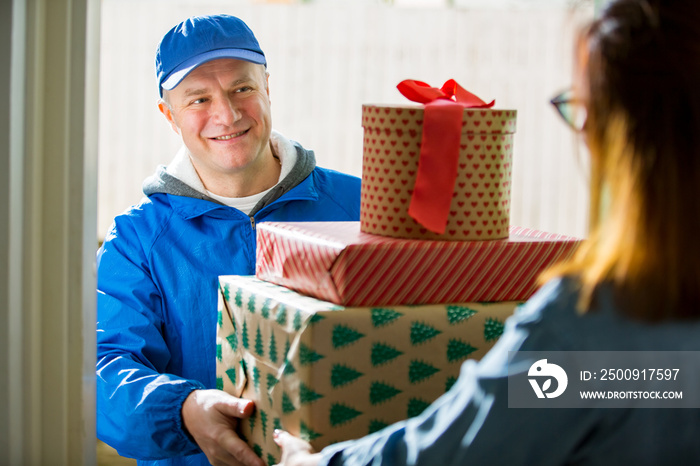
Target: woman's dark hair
639,68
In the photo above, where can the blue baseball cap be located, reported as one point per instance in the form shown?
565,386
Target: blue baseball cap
201,39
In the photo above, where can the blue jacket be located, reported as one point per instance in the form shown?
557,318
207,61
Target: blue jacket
473,424
157,298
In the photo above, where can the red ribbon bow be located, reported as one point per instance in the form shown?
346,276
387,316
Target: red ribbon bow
439,153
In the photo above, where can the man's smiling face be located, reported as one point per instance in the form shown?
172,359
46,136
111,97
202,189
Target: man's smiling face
222,112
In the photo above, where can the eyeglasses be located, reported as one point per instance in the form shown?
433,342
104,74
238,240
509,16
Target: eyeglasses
570,109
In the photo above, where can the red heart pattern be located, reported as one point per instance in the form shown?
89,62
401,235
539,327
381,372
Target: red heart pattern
480,208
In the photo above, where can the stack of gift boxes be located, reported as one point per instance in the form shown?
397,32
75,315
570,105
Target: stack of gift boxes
348,327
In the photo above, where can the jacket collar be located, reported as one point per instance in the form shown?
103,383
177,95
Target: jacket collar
189,207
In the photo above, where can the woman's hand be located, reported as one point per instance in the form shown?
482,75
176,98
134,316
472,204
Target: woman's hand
211,416
295,451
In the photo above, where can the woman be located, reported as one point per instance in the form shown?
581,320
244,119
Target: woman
635,286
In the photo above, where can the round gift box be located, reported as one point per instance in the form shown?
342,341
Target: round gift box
480,208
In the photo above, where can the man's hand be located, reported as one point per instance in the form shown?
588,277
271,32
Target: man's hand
295,451
211,416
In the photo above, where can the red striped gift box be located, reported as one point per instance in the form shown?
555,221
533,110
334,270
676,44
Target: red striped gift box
336,262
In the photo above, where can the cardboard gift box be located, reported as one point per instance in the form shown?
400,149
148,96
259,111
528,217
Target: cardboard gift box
480,206
329,373
337,262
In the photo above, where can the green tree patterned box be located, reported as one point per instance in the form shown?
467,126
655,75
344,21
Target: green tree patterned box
330,373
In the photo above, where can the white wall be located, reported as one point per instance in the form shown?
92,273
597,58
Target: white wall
328,58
